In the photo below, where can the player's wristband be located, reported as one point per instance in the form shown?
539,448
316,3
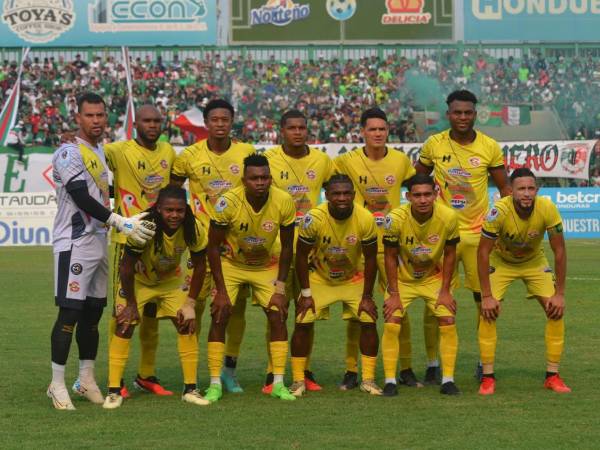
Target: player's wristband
279,287
306,292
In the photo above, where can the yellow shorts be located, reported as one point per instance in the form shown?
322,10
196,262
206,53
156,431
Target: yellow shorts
238,279
428,290
168,297
466,252
326,294
207,285
536,274
347,313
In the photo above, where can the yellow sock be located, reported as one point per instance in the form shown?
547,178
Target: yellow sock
555,342
368,366
187,345
118,353
235,328
311,337
390,347
298,367
448,349
487,344
431,331
405,344
112,327
268,342
352,341
148,345
279,350
214,355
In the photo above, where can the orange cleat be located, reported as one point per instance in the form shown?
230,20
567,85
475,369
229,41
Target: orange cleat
124,392
556,384
267,389
310,383
487,386
152,385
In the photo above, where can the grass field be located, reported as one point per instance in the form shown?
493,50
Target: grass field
520,415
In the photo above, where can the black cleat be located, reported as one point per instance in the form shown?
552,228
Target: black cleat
350,381
408,378
449,388
390,390
478,372
433,376
269,379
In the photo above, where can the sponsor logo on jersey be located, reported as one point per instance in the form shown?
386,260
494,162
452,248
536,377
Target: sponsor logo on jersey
390,179
388,222
379,218
76,269
492,215
337,250
268,226
421,250
154,179
164,164
308,219
311,174
254,240
532,234
234,169
220,184
433,238
458,201
335,274
295,189
475,161
351,239
221,205
459,172
74,286
376,191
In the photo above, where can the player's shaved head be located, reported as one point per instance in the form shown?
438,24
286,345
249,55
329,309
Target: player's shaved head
148,124
147,109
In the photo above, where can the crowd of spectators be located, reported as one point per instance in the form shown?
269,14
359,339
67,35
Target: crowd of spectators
331,92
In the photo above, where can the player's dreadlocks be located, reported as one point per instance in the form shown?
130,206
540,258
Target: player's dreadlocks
190,232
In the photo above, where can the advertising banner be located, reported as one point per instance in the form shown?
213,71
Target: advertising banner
531,20
27,219
336,21
40,23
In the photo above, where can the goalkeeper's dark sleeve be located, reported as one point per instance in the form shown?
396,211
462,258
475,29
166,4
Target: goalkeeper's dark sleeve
79,193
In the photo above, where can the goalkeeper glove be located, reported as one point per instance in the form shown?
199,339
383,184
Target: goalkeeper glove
138,230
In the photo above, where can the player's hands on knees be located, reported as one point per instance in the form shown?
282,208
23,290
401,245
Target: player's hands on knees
303,305
391,305
445,299
128,315
490,308
220,308
186,316
555,307
368,306
280,302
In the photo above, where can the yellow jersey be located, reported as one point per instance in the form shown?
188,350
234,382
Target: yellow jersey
162,265
250,235
461,172
337,244
210,174
302,178
519,240
378,183
421,245
138,175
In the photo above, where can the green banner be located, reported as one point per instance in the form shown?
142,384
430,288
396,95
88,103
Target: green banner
335,21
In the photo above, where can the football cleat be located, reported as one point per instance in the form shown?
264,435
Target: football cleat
150,384
60,397
214,392
112,401
267,389
487,386
310,382
370,387
281,392
449,388
298,388
408,378
89,390
390,390
433,376
194,397
556,384
230,382
124,392
350,381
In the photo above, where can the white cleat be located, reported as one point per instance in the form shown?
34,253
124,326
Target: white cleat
194,397
298,388
370,387
112,401
89,390
60,397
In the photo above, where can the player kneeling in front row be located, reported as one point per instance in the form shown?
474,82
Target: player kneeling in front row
512,233
420,255
338,233
246,223
151,273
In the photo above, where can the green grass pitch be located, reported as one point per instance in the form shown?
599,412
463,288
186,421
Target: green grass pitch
521,414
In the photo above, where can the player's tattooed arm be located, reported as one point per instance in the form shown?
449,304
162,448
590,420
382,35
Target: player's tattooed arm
556,304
